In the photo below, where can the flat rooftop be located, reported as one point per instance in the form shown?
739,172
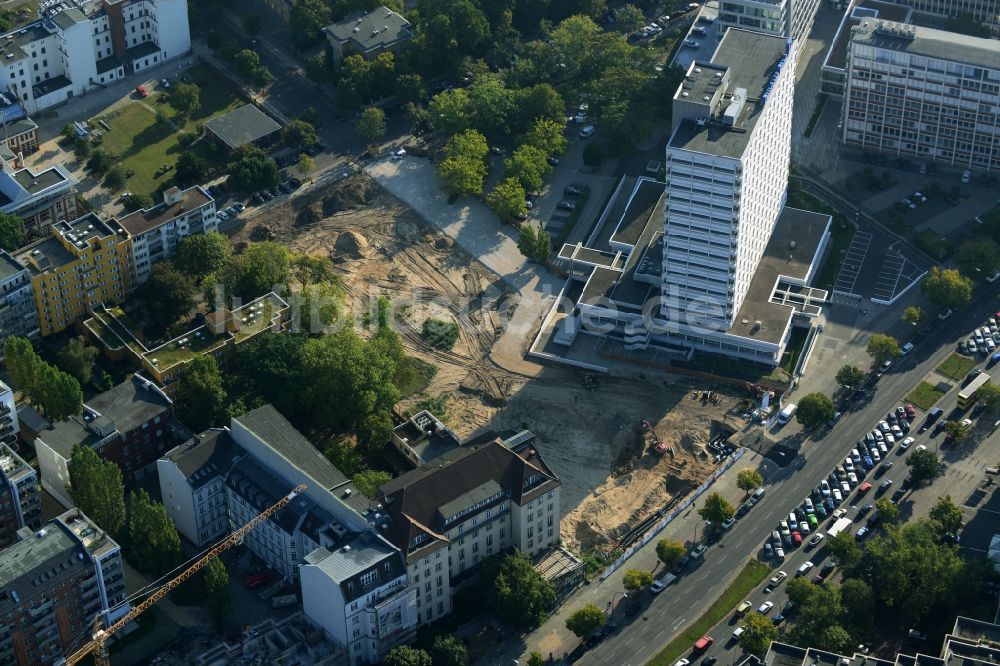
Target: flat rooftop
25,183
141,221
750,61
44,256
646,198
790,253
378,29
928,42
13,465
242,126
84,229
8,266
836,57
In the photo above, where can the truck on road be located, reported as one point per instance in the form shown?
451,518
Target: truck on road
839,526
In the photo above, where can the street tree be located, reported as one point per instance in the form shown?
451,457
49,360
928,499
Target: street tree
262,76
914,315
535,659
11,232
815,410
186,98
529,166
57,393
850,376
369,480
517,593
449,650
956,431
306,165
404,655
800,591
844,549
835,639
22,362
97,489
924,466
637,579
451,111
77,358
749,479
307,20
251,169
548,135
947,288
882,347
217,592
168,294
371,125
541,102
116,178
462,176
246,63
534,243
989,396
888,511
586,620
189,169
979,258
859,603
629,19
154,544
100,161
410,88
201,400
758,632
506,199
716,509
299,135
669,552
203,254
946,516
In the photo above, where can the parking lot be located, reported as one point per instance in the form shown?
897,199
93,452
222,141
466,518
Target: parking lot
706,42
877,266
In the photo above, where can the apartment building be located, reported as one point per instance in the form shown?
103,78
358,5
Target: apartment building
834,73
79,45
84,263
156,232
478,500
20,136
130,425
368,34
40,198
923,93
983,12
221,333
779,18
18,315
53,584
20,501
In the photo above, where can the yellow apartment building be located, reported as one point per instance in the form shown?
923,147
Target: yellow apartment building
84,263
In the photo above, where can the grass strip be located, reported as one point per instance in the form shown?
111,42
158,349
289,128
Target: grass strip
925,395
750,577
956,366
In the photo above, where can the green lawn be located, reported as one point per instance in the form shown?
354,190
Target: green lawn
956,366
925,395
841,233
753,573
793,350
144,146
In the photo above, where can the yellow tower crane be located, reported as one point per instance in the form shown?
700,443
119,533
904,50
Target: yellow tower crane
98,644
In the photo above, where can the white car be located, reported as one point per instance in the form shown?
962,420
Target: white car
906,349
879,437
766,607
845,488
920,448
682,662
905,444
777,578
804,568
727,523
222,215
657,586
824,488
837,496
888,441
883,426
692,43
966,176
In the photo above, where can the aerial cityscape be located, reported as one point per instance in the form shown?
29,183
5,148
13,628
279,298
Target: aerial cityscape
456,332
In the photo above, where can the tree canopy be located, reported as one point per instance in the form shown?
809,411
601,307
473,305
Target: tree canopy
251,169
914,315
534,242
203,254
716,509
815,410
97,489
11,232
448,650
307,20
978,258
947,288
586,620
371,125
850,376
924,466
186,98
669,552
217,592
749,479
882,347
57,393
946,516
758,632
637,579
404,655
154,543
518,594
200,402
77,358
299,135
506,199
168,294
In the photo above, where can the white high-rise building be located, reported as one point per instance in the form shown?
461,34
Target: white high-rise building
727,174
781,18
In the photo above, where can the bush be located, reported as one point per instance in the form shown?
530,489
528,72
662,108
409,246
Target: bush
440,334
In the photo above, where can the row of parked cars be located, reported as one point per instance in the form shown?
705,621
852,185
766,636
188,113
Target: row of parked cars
983,340
286,187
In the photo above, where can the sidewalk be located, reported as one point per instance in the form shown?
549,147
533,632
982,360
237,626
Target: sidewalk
553,636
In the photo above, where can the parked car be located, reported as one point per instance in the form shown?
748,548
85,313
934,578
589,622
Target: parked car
573,190
141,91
566,205
690,43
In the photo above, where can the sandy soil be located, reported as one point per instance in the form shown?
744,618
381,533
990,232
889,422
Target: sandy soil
592,439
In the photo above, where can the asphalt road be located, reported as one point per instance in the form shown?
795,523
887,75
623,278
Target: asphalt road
642,636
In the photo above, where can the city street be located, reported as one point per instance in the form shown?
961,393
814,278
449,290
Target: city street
786,488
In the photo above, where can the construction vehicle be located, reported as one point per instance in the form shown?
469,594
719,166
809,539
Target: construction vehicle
654,439
98,644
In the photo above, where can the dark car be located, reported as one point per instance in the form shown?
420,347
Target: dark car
709,660
898,495
285,187
873,520
907,482
295,183
573,190
681,563
552,160
883,487
267,196
566,205
864,510
276,191
256,199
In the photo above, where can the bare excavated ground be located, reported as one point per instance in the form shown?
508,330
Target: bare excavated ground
591,439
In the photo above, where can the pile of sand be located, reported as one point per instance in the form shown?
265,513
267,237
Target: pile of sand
352,244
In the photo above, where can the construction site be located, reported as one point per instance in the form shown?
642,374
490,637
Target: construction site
615,471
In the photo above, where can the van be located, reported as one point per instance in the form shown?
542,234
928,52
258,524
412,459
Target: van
587,131
934,415
757,496
737,632
785,415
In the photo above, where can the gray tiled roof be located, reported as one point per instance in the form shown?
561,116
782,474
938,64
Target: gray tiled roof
242,126
347,564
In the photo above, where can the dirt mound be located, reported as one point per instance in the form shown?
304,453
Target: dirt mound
443,243
352,244
261,232
350,193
